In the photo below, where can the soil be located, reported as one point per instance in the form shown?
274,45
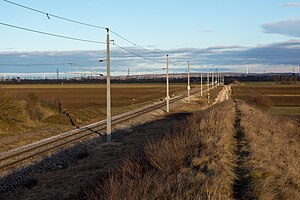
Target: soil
81,105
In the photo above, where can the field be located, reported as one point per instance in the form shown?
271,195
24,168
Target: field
281,99
228,151
32,112
231,150
84,96
78,100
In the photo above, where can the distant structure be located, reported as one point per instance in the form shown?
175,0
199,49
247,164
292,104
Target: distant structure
57,77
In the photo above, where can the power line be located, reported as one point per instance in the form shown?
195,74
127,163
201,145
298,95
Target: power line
131,42
51,34
77,22
81,67
55,16
52,64
39,64
138,55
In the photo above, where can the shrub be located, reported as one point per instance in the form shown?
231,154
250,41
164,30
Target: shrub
33,107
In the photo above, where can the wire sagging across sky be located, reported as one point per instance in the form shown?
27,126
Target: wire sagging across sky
138,55
49,15
131,42
51,34
54,16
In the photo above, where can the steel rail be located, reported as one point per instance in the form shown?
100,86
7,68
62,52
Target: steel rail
74,135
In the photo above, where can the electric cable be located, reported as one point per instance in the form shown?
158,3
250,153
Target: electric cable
51,34
76,22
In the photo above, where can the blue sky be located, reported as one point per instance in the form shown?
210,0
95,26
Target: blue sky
229,34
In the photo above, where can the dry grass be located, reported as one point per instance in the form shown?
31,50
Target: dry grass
193,161
268,96
19,115
12,114
10,109
275,152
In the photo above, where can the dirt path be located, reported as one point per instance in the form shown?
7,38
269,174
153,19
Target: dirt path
242,187
223,95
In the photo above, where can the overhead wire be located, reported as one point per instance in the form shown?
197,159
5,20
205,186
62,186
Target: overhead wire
35,64
134,44
77,65
55,16
77,22
138,55
51,34
80,66
79,39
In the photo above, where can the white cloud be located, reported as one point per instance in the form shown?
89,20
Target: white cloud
289,27
205,31
296,4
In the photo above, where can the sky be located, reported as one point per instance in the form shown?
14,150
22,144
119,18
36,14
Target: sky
231,35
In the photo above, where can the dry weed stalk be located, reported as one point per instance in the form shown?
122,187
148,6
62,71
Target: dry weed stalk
193,161
275,149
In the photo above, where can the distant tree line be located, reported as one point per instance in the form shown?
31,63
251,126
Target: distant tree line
286,79
278,78
97,81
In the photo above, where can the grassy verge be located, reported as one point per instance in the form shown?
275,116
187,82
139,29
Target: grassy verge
286,110
192,161
274,158
257,83
268,83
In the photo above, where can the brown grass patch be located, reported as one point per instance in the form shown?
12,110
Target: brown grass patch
193,161
268,96
274,159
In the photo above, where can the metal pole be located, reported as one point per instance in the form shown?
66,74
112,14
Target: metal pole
212,79
201,82
57,76
223,77
298,70
188,87
207,78
219,78
216,78
108,97
168,96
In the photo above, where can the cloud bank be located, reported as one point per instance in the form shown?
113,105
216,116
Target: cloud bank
296,4
269,57
288,27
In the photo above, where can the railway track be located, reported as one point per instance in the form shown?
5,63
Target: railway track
17,156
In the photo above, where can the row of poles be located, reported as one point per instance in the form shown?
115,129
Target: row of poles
216,80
